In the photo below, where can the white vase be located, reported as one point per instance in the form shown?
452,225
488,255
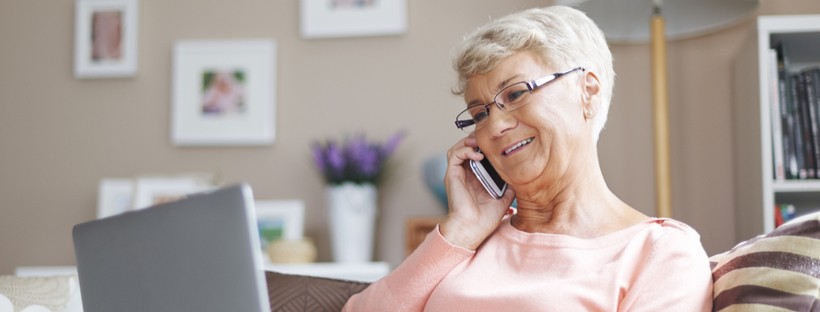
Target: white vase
352,213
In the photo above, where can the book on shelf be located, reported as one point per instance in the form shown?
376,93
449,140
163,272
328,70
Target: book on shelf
786,116
804,117
810,95
783,213
775,116
797,126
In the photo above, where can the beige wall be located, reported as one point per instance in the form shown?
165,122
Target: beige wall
60,135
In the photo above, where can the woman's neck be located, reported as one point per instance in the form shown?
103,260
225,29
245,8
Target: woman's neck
580,205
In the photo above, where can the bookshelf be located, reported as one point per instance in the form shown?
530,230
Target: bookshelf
757,191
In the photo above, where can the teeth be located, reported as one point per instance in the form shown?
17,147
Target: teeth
520,144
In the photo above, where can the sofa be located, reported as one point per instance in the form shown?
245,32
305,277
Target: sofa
61,293
306,293
778,271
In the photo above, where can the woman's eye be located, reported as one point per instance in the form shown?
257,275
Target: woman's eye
479,116
514,95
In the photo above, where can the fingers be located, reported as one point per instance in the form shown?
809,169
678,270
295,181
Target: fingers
508,197
463,150
473,213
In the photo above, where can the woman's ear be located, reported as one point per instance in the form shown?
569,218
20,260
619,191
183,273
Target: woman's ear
591,88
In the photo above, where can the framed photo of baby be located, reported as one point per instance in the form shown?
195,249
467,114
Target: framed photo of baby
223,93
105,38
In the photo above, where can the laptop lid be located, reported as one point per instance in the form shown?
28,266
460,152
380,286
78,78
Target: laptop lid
197,254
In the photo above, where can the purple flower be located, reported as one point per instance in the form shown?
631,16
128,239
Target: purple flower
356,160
368,161
335,158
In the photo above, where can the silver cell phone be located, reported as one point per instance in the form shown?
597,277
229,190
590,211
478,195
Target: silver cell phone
489,177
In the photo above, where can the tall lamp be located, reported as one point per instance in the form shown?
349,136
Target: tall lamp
624,22
660,114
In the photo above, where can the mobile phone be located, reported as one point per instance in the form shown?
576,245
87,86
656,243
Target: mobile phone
489,177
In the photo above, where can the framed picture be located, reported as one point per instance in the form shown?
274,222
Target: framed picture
105,38
114,197
279,219
348,18
149,191
224,93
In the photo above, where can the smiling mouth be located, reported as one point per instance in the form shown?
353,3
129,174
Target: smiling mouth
517,146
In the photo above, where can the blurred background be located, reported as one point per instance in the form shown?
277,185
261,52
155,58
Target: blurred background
59,135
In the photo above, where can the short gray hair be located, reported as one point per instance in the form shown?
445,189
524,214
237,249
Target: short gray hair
564,37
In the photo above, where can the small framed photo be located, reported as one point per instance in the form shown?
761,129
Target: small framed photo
224,93
114,197
149,191
105,38
279,219
349,18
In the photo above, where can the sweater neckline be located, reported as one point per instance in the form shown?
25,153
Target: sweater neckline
508,231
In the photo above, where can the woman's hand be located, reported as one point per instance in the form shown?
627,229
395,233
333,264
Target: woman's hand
474,214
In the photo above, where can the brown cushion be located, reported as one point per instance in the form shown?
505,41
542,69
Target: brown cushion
307,293
777,271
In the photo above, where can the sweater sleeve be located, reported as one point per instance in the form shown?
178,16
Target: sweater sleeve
676,275
409,286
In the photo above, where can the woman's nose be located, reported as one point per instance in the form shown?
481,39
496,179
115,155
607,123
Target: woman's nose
499,121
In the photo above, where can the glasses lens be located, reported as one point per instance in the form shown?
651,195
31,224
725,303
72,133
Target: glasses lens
512,96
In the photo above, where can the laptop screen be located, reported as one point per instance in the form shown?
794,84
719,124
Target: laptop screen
196,254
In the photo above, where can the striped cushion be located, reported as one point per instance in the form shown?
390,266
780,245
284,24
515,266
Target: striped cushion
779,271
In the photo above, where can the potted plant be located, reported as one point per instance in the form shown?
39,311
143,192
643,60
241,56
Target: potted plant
352,169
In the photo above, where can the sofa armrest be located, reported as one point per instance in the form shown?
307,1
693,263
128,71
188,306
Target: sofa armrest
776,271
307,293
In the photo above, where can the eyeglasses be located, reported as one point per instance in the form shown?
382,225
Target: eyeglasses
510,98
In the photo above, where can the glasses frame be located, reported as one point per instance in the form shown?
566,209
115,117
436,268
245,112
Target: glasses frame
532,85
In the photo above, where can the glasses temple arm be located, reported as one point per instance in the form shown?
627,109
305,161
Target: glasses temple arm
464,123
540,82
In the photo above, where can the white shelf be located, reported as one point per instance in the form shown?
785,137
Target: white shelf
756,191
797,186
363,272
33,271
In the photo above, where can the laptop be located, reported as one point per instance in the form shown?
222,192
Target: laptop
196,254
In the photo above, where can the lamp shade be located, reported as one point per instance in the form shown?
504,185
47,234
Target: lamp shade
625,21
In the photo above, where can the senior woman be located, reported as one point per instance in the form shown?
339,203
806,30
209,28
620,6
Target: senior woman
537,84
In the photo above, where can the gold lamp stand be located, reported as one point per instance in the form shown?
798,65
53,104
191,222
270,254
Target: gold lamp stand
663,207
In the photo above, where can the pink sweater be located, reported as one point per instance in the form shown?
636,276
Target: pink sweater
657,265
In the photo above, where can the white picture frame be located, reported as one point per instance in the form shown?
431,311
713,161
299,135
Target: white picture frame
105,38
352,18
150,191
114,197
279,219
224,93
